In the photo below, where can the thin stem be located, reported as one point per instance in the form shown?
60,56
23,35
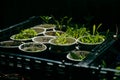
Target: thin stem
116,30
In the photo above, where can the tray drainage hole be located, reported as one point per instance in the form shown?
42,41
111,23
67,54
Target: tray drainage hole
61,65
27,59
19,58
19,65
2,56
38,61
27,67
11,57
11,64
50,63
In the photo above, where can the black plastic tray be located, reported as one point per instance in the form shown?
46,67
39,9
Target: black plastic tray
32,21
50,65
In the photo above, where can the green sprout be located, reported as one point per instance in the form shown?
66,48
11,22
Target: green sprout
46,19
104,64
61,38
63,21
95,29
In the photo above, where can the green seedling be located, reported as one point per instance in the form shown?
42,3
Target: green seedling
104,64
95,37
61,38
26,34
77,32
76,56
46,19
63,21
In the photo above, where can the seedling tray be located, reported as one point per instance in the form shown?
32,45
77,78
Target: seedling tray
49,65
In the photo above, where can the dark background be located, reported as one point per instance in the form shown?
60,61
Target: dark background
15,11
